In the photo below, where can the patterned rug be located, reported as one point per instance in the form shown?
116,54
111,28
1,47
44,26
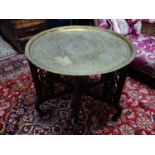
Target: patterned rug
18,115
6,49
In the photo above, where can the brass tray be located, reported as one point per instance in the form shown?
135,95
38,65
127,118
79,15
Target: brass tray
79,50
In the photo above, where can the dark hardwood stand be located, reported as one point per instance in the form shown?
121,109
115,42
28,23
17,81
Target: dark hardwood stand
112,88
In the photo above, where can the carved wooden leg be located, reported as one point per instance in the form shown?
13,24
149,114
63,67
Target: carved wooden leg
43,83
112,88
77,105
76,97
37,86
122,77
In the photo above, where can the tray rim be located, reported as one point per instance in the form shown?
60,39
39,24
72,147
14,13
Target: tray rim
77,27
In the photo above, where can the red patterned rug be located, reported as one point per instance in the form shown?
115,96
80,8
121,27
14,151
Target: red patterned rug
18,115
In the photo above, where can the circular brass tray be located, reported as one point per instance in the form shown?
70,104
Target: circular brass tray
79,50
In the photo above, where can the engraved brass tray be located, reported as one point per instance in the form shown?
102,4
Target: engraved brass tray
80,50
